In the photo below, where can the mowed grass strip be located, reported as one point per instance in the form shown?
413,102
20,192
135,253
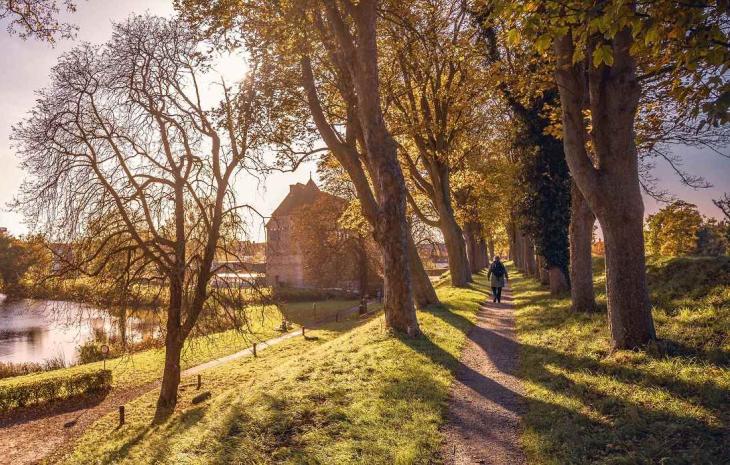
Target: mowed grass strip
668,404
142,367
349,393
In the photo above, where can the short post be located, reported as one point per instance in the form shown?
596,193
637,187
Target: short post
254,349
121,415
302,330
200,381
104,353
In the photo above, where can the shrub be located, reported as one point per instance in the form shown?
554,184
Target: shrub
37,390
9,369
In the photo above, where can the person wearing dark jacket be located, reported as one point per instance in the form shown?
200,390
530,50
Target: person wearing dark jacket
498,275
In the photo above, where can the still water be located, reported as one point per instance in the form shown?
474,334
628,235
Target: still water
38,330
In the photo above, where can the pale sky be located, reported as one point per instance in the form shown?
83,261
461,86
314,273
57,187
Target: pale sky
24,68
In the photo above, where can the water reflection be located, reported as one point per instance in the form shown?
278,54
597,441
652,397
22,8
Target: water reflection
38,330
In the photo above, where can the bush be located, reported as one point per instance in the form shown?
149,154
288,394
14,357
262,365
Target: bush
9,369
37,390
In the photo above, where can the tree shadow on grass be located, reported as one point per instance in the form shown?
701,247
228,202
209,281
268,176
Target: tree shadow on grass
614,431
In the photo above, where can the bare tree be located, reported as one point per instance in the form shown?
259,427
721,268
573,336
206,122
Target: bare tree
122,136
327,56
38,18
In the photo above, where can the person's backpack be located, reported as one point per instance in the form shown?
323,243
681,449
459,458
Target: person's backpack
498,270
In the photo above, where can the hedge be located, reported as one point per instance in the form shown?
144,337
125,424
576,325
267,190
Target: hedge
36,391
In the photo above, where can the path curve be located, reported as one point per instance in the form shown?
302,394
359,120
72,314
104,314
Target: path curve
485,404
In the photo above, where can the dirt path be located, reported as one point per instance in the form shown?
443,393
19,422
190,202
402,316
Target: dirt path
29,436
485,403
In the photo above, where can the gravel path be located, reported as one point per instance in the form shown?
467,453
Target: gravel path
483,422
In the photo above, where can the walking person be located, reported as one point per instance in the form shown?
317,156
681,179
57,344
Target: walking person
498,274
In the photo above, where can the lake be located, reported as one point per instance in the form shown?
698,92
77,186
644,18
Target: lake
38,330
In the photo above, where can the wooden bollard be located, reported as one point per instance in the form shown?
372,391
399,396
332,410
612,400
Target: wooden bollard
200,381
121,415
302,330
254,349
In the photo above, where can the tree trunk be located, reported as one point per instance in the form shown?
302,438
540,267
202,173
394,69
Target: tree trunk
173,347
170,376
459,268
528,251
557,280
518,249
362,267
423,290
123,326
610,184
542,271
490,248
581,261
629,313
471,231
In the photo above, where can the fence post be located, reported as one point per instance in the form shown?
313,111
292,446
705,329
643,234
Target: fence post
254,350
302,330
121,415
200,381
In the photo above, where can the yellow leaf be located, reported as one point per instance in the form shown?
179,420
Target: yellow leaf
543,42
513,36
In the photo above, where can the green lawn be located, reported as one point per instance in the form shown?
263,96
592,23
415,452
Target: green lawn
305,313
350,393
142,367
669,404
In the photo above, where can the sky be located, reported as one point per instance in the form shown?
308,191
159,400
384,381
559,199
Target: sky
25,66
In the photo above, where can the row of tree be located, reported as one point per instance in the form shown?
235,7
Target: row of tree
481,118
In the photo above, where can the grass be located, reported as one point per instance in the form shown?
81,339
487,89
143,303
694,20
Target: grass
142,367
350,393
303,313
665,405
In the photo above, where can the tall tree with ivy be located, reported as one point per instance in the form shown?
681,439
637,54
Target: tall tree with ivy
604,51
524,82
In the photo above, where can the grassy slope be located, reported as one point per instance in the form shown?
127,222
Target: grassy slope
142,367
667,405
302,313
145,366
348,394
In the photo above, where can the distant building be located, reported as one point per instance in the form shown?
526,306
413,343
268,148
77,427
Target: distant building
240,264
284,260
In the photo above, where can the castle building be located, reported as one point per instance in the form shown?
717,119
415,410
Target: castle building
284,260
